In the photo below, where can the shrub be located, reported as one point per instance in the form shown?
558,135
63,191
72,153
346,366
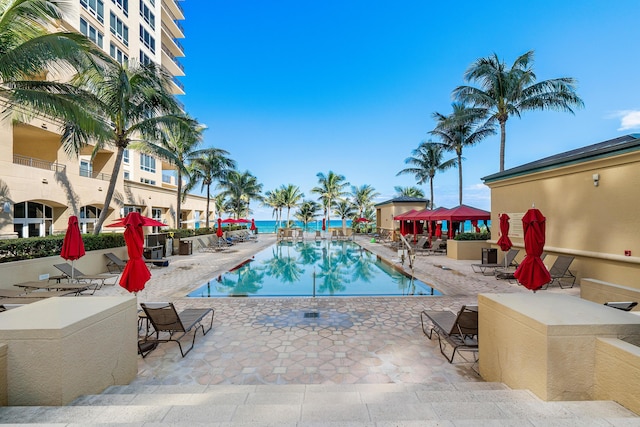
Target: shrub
40,247
473,236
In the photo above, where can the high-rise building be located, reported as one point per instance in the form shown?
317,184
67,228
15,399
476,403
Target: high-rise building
41,186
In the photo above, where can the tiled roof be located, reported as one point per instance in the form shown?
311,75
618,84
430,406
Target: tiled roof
590,152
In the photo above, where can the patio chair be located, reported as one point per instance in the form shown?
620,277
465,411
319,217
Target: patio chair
173,325
115,264
458,330
439,247
69,272
560,271
622,305
205,247
488,269
420,246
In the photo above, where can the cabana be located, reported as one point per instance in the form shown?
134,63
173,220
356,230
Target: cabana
460,214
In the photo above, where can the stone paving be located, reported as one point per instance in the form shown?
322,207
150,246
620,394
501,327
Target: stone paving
275,341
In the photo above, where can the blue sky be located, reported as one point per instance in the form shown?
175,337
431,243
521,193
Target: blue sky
293,88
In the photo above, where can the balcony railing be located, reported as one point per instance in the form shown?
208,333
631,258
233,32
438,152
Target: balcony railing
37,163
95,175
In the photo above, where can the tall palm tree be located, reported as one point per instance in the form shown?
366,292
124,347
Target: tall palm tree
426,160
409,192
178,146
221,205
241,188
465,126
208,166
130,103
331,187
507,91
29,53
363,197
291,196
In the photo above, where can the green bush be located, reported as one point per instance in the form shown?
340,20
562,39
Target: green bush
473,236
40,247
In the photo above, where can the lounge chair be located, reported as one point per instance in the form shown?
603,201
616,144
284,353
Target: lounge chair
489,268
204,247
419,247
69,272
48,289
458,330
560,271
173,326
318,235
115,264
439,247
622,305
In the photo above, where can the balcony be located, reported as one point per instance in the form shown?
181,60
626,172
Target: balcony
87,173
37,163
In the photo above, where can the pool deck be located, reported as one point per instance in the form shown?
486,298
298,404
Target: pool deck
275,341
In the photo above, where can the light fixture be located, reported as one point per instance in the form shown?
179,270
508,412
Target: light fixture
596,179
43,125
99,188
44,181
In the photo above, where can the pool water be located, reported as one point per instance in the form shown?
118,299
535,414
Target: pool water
319,268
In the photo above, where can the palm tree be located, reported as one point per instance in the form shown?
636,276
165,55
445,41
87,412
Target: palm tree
273,199
307,212
29,52
465,126
363,197
130,103
507,91
426,161
345,209
291,196
208,166
221,205
241,188
409,192
331,187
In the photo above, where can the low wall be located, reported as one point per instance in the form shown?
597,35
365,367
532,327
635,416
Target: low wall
94,262
3,375
62,348
467,249
617,373
601,292
546,342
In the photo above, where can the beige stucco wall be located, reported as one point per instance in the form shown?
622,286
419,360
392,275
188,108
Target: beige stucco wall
546,342
596,224
600,292
467,249
385,214
617,373
62,348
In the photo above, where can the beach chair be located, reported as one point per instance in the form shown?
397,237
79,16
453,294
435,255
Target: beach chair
488,269
115,264
98,280
439,247
169,325
559,271
458,330
421,245
204,247
318,235
622,305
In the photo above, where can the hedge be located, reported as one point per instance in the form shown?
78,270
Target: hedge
473,236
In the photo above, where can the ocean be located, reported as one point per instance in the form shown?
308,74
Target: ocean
271,226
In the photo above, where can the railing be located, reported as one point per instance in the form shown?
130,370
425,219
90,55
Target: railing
175,59
95,175
178,83
37,163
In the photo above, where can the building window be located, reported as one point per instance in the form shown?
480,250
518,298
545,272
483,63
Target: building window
95,8
147,163
86,168
119,29
144,59
91,32
127,175
147,15
117,54
147,39
148,181
128,209
88,218
32,219
125,155
123,5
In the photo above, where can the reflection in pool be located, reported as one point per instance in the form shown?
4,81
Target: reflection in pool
319,268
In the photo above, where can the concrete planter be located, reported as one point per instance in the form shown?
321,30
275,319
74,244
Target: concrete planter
466,249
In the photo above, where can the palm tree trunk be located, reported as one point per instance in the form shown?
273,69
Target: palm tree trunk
115,173
431,188
460,178
179,204
208,198
503,139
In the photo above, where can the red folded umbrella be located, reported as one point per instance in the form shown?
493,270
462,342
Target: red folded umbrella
135,273
438,230
253,225
324,224
219,230
532,273
504,242
72,245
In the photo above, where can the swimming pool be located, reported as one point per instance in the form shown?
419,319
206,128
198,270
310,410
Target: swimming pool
306,269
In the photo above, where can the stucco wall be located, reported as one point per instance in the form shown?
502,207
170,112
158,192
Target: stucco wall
596,224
